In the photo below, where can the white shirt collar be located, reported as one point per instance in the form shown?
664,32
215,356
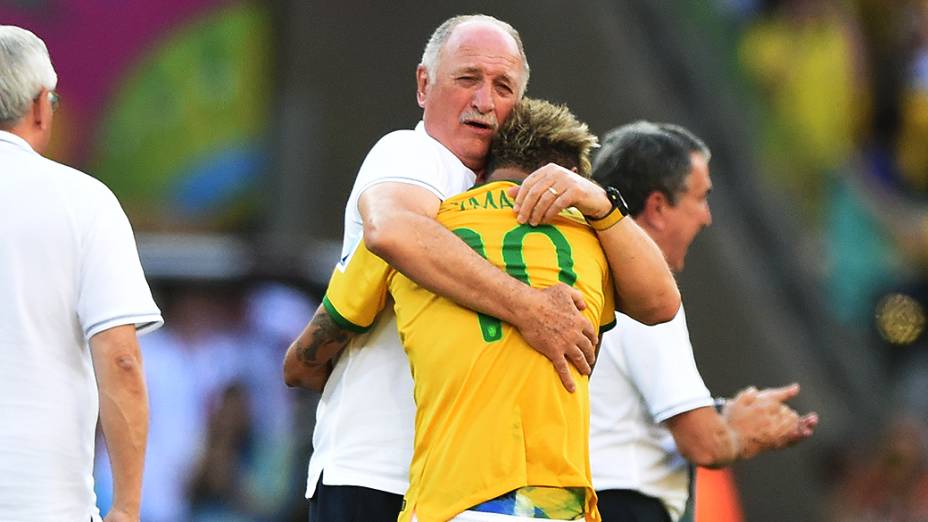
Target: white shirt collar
16,141
420,127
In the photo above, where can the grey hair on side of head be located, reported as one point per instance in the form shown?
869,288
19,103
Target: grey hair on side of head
25,69
431,53
643,157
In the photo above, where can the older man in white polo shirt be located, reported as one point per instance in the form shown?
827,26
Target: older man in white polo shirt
72,299
473,72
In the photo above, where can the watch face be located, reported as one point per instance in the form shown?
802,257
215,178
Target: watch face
613,194
617,200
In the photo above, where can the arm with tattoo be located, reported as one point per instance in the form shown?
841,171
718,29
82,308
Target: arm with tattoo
309,359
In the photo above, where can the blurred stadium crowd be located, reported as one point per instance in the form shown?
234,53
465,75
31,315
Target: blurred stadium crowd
228,441
842,89
224,444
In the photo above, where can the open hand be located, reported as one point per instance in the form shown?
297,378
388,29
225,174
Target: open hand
763,421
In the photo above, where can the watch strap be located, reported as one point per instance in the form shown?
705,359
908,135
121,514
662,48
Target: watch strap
614,216
618,211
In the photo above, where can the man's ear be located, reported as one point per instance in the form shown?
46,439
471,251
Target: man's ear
655,207
422,85
42,110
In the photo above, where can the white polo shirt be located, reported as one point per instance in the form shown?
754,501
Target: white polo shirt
69,269
366,416
644,375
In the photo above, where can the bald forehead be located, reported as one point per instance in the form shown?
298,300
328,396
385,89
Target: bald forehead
486,43
483,38
482,33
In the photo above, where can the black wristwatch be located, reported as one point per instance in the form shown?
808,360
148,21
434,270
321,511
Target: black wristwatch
618,211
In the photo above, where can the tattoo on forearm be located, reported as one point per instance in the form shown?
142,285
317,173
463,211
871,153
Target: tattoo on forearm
325,340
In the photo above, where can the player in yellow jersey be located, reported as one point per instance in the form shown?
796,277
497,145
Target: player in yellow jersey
496,432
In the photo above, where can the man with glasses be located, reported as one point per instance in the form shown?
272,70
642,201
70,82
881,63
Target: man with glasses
72,300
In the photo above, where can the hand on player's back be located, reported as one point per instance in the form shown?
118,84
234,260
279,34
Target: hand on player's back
554,327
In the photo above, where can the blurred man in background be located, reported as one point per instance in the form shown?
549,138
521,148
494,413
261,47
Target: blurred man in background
72,297
473,72
650,407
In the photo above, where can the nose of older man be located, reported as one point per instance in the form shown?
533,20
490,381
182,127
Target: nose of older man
483,98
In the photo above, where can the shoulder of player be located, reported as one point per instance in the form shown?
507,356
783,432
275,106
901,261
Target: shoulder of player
574,216
488,196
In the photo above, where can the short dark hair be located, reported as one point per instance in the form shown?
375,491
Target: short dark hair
539,132
643,157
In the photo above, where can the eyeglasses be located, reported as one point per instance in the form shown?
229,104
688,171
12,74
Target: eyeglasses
54,99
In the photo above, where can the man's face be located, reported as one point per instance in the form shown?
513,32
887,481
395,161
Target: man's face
690,215
476,84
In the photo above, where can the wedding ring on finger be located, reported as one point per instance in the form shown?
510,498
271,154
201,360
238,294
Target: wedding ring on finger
553,191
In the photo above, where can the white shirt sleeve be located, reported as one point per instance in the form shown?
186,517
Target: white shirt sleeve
113,290
659,360
404,157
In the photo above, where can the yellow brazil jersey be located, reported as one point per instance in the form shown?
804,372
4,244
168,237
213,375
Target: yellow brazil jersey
491,413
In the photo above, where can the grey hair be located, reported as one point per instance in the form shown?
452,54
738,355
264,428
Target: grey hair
432,52
25,69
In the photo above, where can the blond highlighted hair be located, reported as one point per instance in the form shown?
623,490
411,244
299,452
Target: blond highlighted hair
540,132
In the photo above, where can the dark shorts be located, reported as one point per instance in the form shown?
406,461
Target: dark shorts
353,504
624,505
